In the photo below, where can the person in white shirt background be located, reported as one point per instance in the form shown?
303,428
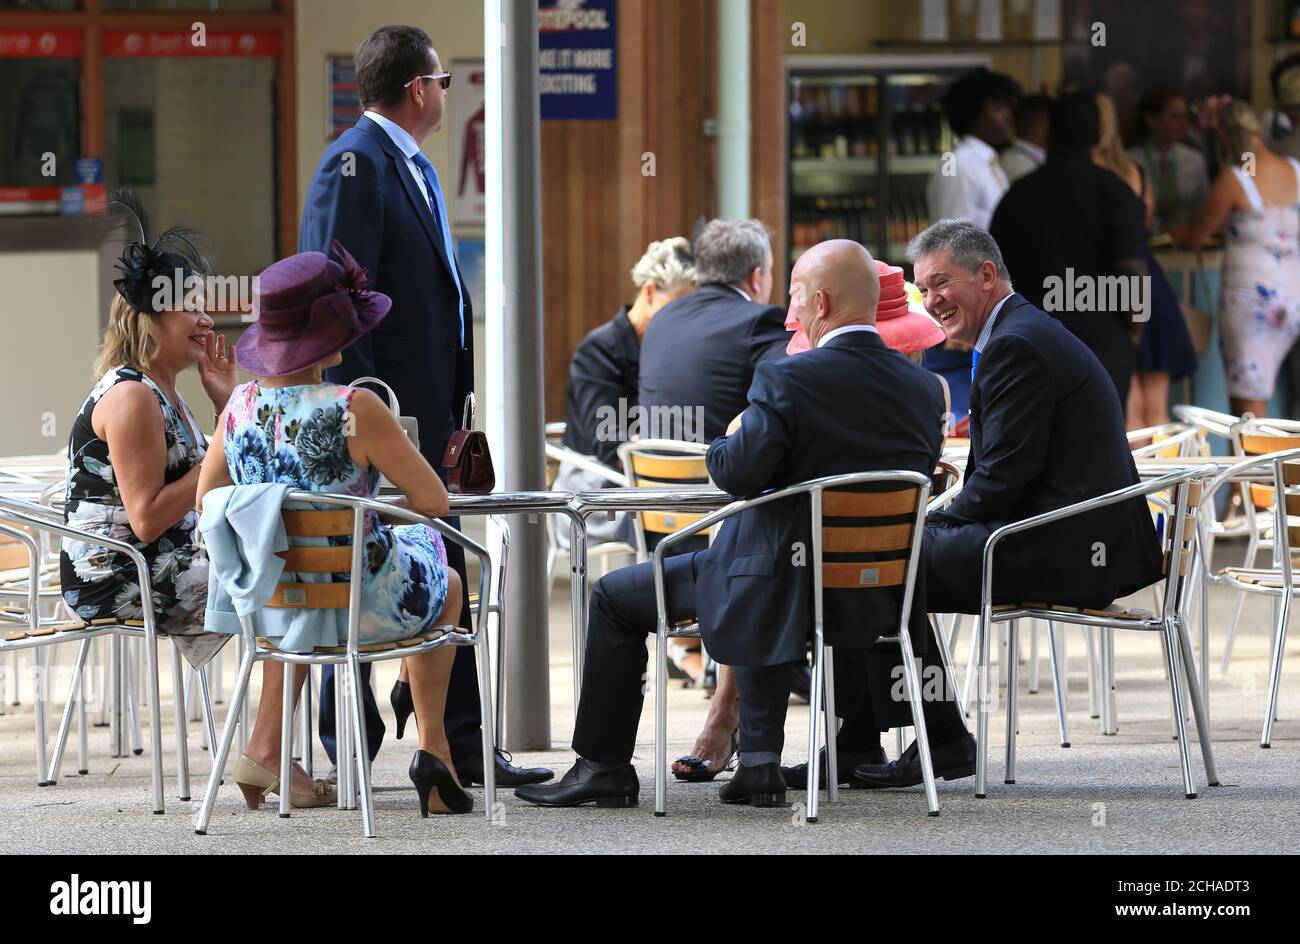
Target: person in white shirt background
1028,149
1177,172
978,107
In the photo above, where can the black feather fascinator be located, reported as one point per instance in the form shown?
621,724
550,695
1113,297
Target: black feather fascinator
154,269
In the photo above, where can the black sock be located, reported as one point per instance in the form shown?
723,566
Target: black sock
856,739
946,732
601,768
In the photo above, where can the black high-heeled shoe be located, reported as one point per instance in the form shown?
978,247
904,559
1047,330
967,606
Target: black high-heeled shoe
403,705
428,772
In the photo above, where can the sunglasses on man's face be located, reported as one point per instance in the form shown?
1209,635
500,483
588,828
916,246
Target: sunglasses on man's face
443,78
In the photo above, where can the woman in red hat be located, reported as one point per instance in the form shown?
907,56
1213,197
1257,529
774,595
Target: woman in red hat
288,426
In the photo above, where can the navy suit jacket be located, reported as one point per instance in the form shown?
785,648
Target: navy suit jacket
603,371
701,351
852,405
1047,430
364,196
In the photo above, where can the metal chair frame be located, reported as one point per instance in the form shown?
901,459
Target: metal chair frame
44,633
823,670
673,451
1171,621
1276,582
351,741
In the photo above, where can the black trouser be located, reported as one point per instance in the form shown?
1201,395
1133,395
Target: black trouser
870,694
461,718
622,615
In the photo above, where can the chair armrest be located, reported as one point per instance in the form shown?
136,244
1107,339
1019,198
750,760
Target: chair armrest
13,509
586,463
1140,490
1176,435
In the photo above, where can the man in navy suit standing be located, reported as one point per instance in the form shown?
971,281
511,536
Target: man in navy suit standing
378,195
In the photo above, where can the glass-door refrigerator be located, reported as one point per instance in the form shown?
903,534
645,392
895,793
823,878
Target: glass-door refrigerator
865,133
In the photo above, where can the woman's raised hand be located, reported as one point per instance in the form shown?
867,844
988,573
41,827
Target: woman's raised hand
217,370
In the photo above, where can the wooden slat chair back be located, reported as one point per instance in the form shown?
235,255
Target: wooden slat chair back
1183,552
1258,444
315,560
661,470
866,537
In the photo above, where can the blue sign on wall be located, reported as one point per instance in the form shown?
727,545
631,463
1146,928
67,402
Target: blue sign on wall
577,43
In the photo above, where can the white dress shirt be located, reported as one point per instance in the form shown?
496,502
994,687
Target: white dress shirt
1021,157
1191,181
845,329
406,144
973,190
987,330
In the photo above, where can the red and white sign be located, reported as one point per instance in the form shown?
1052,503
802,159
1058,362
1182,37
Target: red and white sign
170,43
467,186
26,201
40,44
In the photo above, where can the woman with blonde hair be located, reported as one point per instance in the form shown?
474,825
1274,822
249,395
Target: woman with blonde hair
1255,200
1165,350
605,365
135,448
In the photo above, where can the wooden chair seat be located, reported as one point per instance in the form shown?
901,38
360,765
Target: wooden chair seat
1256,577
20,574
684,628
70,626
1114,611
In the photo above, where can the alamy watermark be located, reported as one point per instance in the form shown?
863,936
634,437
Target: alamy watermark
78,897
1105,293
625,423
219,293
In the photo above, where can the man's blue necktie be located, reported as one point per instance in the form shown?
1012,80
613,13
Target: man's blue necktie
439,210
974,359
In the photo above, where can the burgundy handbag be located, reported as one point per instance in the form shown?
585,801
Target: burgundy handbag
467,460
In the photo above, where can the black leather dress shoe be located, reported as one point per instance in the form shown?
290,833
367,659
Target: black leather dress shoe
470,770
584,784
796,777
951,761
761,785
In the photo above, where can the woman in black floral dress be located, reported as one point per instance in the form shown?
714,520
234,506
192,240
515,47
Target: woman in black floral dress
135,450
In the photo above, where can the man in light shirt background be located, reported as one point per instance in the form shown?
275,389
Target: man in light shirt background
1028,149
978,107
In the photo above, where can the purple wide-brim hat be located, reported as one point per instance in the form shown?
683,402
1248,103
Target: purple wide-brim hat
308,307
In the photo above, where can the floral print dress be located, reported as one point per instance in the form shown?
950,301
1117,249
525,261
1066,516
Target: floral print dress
99,583
1260,316
297,436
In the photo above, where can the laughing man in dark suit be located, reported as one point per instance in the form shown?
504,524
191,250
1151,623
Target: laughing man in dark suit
1046,430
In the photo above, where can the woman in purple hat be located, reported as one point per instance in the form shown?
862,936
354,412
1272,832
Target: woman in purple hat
288,426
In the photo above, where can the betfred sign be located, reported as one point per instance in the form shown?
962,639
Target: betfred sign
171,43
40,44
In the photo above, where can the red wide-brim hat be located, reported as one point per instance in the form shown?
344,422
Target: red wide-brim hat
903,324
